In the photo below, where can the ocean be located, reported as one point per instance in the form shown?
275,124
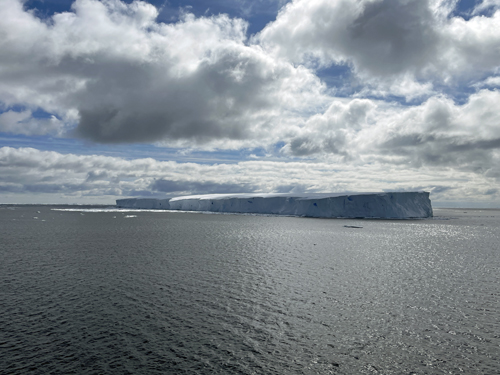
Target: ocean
92,290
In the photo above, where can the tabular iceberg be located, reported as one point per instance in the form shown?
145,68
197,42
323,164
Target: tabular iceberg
395,205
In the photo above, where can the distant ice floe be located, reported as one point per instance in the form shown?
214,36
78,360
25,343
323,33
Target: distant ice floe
110,209
390,205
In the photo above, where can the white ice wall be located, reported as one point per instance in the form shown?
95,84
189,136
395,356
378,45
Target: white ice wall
398,205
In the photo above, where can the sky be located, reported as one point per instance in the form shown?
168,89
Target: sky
102,100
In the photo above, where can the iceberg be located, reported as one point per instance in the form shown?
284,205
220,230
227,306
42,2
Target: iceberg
144,203
387,205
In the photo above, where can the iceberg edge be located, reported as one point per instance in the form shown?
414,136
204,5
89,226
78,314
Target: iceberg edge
386,205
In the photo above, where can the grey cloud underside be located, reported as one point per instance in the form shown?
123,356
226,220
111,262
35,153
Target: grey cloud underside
392,36
442,150
132,103
416,149
304,146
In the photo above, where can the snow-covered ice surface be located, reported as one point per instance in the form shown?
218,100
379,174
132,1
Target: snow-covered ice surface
390,205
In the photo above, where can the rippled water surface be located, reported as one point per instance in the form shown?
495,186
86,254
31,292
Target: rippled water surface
188,293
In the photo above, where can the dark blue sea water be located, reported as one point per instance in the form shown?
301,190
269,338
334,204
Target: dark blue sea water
87,292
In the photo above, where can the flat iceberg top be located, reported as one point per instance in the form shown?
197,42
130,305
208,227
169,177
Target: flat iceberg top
282,195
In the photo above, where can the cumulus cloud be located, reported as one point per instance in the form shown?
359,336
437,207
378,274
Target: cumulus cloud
380,37
123,77
110,69
393,46
436,133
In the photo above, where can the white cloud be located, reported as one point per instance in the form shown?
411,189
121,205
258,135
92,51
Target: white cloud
438,133
489,82
381,37
123,77
24,123
92,178
126,78
394,47
485,5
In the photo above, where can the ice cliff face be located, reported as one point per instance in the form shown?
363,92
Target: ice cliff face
396,205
